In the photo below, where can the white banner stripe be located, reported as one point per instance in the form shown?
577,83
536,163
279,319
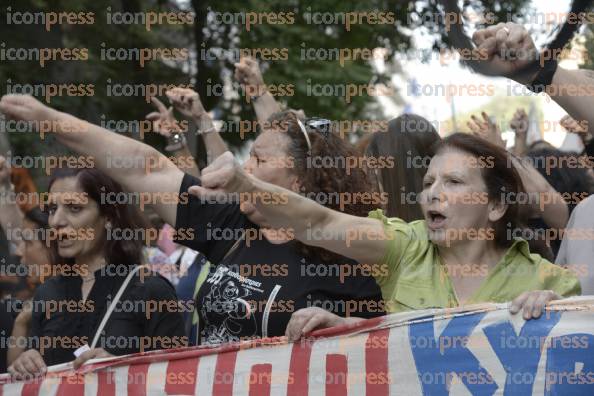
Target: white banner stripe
554,353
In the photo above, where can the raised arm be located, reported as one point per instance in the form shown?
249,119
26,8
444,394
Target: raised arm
360,238
165,124
248,73
152,174
549,203
510,48
574,91
519,125
188,102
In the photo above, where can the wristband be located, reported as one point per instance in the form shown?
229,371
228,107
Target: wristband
207,131
254,98
544,78
261,92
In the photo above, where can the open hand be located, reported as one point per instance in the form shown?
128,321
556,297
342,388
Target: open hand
306,320
164,123
486,129
94,353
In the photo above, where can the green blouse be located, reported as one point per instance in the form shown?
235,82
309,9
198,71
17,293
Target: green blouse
416,279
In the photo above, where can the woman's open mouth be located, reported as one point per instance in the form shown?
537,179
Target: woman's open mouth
435,220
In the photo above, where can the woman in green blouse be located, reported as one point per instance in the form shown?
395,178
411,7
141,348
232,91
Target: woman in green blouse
463,251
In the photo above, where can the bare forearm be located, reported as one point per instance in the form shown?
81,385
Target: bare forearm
19,333
215,145
520,146
359,238
213,142
287,209
574,91
138,167
186,161
550,204
265,106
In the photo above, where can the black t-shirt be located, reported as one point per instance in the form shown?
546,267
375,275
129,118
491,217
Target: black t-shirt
252,291
146,318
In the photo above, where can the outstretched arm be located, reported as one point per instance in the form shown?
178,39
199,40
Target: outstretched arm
152,174
359,238
509,48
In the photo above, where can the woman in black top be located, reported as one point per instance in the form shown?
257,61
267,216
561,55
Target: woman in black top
304,158
261,276
91,265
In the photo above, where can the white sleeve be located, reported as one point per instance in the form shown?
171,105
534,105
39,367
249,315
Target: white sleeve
562,258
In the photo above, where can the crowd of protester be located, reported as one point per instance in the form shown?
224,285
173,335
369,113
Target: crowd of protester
284,244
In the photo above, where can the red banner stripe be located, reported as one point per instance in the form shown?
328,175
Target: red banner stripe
32,388
260,379
181,377
377,372
298,381
137,379
73,384
106,382
225,371
336,375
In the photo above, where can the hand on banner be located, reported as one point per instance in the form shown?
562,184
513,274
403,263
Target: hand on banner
306,320
28,365
532,303
94,353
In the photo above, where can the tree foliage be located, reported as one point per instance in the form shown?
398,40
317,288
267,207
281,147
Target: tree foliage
419,18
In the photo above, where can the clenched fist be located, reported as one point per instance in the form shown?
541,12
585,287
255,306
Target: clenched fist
26,108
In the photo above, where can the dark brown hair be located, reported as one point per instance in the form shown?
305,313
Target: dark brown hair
409,136
499,174
328,181
121,215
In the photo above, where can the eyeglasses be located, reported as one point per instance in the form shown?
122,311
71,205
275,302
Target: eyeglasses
320,125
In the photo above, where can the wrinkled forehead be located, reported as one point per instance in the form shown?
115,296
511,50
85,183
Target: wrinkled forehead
453,161
271,142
